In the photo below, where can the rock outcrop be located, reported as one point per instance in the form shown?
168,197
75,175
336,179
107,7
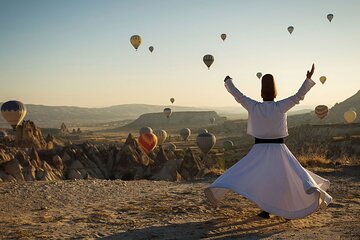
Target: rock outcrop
64,129
28,135
87,161
130,162
190,167
165,168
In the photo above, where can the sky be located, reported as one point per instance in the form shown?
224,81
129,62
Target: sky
78,52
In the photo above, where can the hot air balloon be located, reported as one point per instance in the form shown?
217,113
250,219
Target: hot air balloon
206,142
185,133
259,75
203,130
212,120
208,60
172,100
349,116
223,36
330,17
170,146
148,142
161,136
13,112
135,40
352,109
167,112
151,48
321,111
290,29
145,130
227,145
322,79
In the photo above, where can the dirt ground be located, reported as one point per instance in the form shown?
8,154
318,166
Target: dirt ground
102,209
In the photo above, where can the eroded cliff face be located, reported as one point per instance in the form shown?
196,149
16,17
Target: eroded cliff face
29,135
36,161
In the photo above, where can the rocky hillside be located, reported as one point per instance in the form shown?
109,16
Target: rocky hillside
54,116
31,157
334,141
335,113
176,121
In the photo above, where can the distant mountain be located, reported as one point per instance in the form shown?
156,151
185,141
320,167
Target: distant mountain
189,119
297,112
336,113
53,116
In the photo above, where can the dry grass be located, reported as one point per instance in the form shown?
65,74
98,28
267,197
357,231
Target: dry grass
319,160
313,160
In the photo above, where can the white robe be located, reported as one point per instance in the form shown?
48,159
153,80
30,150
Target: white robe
269,175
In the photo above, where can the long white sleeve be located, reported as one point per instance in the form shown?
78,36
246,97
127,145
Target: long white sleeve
287,103
245,101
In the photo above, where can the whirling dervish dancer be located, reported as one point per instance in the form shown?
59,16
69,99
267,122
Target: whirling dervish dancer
269,175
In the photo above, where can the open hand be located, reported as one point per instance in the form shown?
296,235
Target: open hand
309,74
227,77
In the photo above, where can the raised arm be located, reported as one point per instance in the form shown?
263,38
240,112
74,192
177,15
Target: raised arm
287,103
245,101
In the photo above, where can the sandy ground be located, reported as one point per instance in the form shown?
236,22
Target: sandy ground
101,209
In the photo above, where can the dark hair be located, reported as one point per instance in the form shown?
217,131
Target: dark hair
268,88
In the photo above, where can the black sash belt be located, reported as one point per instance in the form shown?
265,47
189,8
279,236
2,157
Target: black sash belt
276,140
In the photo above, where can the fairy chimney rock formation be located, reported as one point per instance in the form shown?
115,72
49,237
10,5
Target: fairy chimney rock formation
130,162
190,166
28,135
63,128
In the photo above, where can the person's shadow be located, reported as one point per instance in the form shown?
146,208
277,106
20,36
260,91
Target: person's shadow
214,229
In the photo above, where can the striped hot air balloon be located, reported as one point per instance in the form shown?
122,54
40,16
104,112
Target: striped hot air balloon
161,136
13,112
321,111
147,142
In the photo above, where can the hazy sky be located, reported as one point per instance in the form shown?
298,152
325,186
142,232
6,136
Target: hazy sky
77,52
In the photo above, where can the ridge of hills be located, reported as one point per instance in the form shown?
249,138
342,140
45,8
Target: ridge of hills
201,119
120,115
335,115
177,120
54,116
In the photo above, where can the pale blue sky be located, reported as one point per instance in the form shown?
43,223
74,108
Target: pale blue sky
77,52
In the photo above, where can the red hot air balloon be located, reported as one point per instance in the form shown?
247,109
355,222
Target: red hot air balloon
148,142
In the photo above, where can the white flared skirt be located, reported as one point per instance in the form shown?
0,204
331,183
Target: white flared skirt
271,177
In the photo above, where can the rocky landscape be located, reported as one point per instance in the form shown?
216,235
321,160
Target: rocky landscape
30,157
51,188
